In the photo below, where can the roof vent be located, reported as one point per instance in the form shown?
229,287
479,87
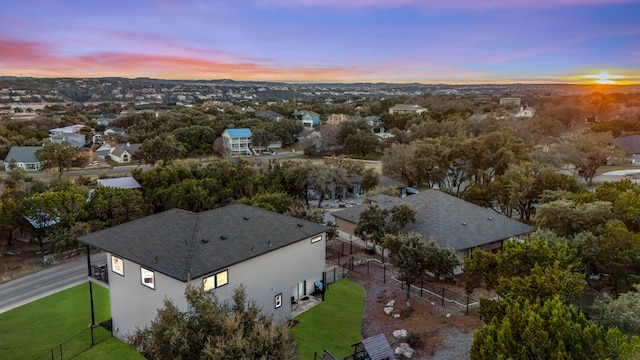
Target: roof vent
464,223
155,261
222,237
299,225
253,248
269,243
489,218
246,218
204,241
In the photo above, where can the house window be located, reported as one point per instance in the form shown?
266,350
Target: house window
316,239
215,280
148,278
278,300
117,265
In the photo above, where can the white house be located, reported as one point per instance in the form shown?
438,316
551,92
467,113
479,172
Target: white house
123,153
276,257
24,157
407,109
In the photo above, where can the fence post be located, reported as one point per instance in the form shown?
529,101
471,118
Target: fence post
443,296
61,352
367,267
351,248
384,273
52,356
467,305
421,286
334,275
342,251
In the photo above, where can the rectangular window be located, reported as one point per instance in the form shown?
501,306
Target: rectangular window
117,265
316,239
148,278
278,300
215,280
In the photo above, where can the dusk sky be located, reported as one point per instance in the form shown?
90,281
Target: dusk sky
427,41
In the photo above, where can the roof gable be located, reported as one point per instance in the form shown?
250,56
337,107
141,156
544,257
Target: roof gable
187,245
630,143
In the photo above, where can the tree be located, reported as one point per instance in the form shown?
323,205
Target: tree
396,163
57,155
361,143
165,148
548,330
113,206
408,254
210,329
566,217
372,224
588,151
441,263
622,312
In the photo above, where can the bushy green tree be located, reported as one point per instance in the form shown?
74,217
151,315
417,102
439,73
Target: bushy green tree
211,329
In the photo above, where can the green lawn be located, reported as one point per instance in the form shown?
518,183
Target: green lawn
334,325
33,329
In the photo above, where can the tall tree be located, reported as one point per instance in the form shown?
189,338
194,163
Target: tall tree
211,329
57,155
548,330
408,254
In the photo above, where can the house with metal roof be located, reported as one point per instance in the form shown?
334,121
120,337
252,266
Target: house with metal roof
276,257
127,182
24,157
238,141
449,221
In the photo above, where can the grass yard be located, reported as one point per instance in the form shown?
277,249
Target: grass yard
334,325
33,329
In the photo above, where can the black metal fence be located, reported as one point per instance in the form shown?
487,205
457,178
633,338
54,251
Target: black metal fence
355,257
79,343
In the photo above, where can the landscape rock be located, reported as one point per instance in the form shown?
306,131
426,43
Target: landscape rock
388,310
391,303
405,350
396,316
400,334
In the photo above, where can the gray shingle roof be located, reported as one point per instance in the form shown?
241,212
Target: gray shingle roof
185,245
118,149
450,221
630,143
23,154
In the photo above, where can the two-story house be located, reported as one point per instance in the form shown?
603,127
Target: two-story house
237,141
69,134
276,257
122,153
309,118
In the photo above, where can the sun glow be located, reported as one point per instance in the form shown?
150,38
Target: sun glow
604,78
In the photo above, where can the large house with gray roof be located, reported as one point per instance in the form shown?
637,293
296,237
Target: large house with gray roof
24,157
446,219
277,258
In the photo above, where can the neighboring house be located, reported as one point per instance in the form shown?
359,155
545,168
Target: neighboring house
25,158
127,182
276,257
386,182
407,109
245,110
68,134
309,119
337,119
73,139
450,221
524,112
237,141
123,153
630,144
271,115
105,121
114,131
377,126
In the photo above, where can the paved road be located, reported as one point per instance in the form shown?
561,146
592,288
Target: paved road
46,282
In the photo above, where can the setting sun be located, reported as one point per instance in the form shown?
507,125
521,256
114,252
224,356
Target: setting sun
604,78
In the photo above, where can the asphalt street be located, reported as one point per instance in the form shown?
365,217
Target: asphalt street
46,282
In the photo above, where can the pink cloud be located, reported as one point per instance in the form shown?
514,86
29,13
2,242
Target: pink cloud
40,59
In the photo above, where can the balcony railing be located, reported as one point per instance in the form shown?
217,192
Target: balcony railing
99,272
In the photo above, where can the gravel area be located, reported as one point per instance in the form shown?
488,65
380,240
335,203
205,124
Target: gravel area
442,336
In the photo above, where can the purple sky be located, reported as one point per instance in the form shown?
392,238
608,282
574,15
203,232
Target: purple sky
428,41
